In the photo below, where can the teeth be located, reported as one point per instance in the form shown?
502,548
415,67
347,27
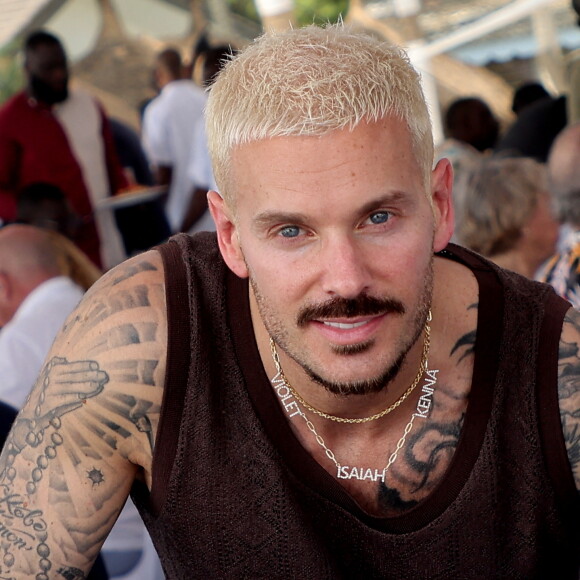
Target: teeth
344,325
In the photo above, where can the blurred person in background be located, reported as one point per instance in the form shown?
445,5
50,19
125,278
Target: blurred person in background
173,131
471,124
53,134
526,94
142,225
506,214
471,130
35,300
208,61
534,130
563,269
45,205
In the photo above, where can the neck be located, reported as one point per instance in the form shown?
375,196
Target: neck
516,261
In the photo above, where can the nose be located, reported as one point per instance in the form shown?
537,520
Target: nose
345,271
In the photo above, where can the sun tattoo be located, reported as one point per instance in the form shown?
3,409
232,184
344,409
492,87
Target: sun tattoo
96,476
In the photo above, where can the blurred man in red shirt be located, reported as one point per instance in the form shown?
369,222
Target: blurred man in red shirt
56,135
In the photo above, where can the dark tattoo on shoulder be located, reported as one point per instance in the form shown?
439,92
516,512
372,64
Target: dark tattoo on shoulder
427,456
466,342
438,439
433,444
390,498
569,390
132,270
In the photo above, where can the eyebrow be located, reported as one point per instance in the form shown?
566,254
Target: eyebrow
267,218
392,198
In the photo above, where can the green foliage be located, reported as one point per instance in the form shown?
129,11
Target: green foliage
307,11
11,75
320,11
245,8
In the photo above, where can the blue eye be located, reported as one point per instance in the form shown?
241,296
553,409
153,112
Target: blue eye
380,217
290,231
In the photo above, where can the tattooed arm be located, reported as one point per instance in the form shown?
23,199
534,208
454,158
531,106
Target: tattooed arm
569,388
87,429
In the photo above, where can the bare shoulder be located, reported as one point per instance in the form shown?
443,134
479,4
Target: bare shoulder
455,305
569,388
88,427
120,328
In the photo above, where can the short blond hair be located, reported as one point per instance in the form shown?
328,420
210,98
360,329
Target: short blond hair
312,81
499,199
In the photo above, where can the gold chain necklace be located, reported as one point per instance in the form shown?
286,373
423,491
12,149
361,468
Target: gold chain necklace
412,387
352,472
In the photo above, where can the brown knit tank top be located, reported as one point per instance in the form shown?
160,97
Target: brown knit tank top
235,495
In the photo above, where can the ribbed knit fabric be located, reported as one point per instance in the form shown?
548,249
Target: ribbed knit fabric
235,495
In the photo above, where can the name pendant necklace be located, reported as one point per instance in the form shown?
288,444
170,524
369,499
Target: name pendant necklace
291,401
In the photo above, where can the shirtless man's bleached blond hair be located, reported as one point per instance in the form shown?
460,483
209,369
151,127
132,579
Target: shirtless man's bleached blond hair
280,86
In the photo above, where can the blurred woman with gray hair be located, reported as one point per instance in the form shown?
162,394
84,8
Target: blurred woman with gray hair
506,214
563,269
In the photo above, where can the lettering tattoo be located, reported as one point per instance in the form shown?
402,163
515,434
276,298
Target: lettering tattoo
569,388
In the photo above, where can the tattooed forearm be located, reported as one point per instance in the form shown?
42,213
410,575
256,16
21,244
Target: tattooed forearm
569,388
71,573
23,530
71,384
87,428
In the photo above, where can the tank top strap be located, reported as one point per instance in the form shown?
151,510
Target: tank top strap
177,369
552,437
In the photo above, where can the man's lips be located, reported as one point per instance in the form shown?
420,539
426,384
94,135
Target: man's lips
343,325
343,311
347,331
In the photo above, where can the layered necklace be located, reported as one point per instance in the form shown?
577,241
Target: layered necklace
292,401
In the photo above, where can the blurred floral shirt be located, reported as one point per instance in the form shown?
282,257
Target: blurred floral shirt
562,271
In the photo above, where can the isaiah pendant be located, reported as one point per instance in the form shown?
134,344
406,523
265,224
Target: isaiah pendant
360,473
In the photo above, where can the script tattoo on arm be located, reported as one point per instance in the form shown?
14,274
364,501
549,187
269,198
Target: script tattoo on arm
569,388
71,573
87,428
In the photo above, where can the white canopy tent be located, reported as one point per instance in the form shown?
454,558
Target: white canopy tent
421,51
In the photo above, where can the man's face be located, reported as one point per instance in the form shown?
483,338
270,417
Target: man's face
47,72
337,236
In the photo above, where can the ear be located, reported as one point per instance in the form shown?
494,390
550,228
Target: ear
441,195
227,234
